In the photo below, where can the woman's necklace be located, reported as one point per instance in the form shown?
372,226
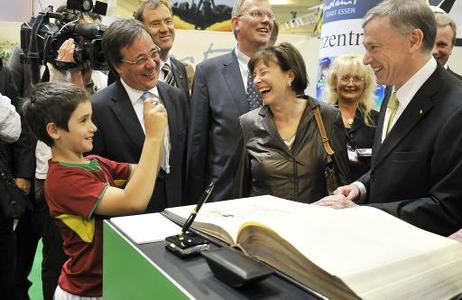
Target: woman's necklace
348,120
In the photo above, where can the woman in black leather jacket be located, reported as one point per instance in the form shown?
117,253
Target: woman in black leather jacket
282,151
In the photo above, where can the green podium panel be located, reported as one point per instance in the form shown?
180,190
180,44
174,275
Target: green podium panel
130,275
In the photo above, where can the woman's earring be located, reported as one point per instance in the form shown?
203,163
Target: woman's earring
289,83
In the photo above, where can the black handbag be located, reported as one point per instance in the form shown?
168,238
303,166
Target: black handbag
13,201
329,172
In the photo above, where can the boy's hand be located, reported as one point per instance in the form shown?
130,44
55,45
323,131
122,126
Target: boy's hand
155,118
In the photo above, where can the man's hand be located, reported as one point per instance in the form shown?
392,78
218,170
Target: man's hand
336,201
351,191
456,236
24,185
66,51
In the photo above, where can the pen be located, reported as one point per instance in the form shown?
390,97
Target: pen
192,216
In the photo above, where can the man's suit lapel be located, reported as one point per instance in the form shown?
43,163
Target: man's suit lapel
178,74
170,107
233,79
416,110
125,113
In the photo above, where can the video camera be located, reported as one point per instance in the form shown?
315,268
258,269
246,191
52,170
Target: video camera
41,39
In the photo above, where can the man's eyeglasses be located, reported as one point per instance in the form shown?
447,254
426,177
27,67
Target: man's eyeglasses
144,58
259,14
355,79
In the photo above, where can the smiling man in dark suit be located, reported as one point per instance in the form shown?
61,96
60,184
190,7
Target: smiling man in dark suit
220,94
157,16
118,109
445,40
416,166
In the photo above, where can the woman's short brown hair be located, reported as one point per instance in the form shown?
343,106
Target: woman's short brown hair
288,58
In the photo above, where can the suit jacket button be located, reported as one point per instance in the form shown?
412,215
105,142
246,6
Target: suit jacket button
372,178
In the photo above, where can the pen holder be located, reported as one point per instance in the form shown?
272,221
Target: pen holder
186,244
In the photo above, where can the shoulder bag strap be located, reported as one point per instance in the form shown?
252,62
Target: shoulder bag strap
322,132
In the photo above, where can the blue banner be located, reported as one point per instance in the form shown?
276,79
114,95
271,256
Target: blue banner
336,10
342,33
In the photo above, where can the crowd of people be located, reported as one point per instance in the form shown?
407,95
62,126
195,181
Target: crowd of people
153,138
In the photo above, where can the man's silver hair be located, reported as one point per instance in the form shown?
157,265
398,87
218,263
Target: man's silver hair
405,16
238,7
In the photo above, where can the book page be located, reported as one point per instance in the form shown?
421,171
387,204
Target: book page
146,228
364,235
231,214
373,252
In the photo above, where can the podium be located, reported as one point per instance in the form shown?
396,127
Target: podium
148,271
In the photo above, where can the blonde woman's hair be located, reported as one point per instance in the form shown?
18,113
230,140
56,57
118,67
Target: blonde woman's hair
354,63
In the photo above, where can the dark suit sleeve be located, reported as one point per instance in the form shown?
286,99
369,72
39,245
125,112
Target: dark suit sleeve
17,69
441,210
198,140
181,77
241,182
184,162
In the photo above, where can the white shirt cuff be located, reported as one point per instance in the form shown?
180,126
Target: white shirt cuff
362,190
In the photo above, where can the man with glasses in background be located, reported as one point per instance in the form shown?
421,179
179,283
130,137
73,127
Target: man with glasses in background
157,16
118,109
222,91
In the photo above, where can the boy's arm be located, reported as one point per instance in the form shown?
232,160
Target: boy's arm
132,170
137,193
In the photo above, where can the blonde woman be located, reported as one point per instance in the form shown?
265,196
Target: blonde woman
350,87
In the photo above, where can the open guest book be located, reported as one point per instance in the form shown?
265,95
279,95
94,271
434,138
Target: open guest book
359,252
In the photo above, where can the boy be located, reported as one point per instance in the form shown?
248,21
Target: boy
80,190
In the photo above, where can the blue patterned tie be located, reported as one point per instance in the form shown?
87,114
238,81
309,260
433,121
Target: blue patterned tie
253,96
165,163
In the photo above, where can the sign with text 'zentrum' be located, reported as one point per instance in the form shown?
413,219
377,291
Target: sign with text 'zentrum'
341,33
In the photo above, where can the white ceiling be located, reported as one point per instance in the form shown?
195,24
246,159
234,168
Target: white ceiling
282,10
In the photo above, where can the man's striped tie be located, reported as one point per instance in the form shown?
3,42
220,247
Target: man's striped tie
168,75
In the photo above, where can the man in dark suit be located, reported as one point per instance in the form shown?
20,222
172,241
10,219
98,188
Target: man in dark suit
117,109
219,97
416,166
157,16
445,40
18,159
